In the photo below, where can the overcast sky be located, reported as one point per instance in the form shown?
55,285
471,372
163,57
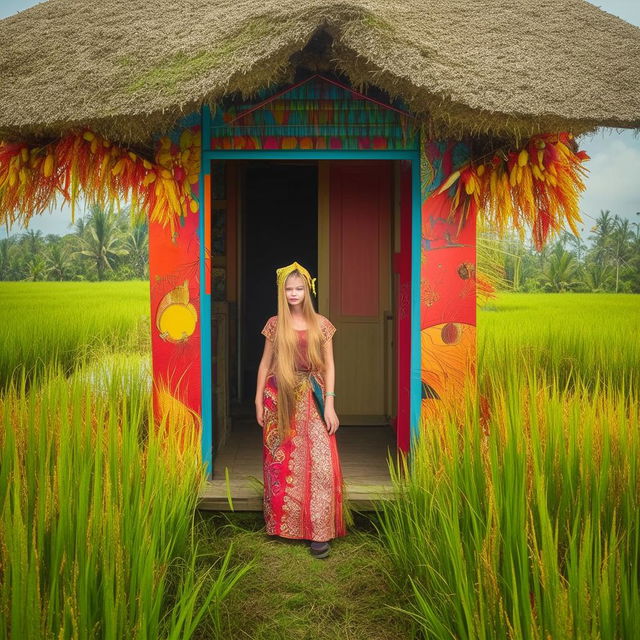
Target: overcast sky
613,182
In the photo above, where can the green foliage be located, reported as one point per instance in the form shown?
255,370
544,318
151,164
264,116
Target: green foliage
60,324
105,245
96,504
102,240
610,263
96,509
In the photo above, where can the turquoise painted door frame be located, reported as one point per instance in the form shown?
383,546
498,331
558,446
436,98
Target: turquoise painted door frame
207,156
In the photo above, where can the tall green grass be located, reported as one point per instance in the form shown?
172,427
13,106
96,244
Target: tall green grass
96,509
522,519
578,339
61,324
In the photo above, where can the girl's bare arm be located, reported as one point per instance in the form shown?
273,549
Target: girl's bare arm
263,370
330,416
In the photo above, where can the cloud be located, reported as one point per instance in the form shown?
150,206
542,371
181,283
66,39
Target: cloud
614,175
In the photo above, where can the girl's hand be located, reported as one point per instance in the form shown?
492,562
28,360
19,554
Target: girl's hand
331,419
260,413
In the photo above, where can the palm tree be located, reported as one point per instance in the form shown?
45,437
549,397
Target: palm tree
36,268
32,241
102,240
576,244
605,224
560,271
59,261
138,246
6,245
80,226
620,246
597,277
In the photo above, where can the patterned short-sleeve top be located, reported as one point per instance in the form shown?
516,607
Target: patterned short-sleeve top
326,327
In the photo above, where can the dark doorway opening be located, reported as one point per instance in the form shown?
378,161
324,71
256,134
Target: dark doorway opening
280,225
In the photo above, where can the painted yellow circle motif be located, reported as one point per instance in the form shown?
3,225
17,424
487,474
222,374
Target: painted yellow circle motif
178,321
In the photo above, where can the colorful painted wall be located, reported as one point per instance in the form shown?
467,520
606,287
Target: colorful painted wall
174,274
448,286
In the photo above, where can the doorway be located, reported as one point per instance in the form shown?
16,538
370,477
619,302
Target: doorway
341,219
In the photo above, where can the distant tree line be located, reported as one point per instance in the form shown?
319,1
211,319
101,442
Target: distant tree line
104,245
609,263
107,245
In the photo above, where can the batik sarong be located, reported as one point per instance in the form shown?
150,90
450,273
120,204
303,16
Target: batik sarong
303,487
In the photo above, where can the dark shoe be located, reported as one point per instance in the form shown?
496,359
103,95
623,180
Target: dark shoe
319,549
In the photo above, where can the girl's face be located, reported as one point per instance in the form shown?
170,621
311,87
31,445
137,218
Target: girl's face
294,290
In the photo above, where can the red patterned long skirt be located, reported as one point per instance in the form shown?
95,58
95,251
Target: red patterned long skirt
302,476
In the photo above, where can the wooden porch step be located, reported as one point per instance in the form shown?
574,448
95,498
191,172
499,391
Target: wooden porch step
361,497
363,458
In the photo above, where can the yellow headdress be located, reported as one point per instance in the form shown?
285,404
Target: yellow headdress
284,272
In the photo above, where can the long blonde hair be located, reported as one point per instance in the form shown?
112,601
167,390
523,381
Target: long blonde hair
285,351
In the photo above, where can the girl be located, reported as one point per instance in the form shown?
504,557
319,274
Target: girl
295,387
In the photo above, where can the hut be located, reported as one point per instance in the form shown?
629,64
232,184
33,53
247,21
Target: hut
362,138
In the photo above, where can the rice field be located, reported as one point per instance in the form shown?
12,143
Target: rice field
578,338
520,520
61,324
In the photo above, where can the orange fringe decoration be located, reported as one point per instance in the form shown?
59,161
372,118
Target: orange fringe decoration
537,186
33,178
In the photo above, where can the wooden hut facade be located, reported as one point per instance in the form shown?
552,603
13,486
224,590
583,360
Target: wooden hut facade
360,138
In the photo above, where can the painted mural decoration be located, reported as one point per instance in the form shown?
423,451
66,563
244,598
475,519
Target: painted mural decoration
176,317
536,186
174,273
317,113
448,287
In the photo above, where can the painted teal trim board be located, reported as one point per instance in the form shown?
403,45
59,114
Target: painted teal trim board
206,400
311,154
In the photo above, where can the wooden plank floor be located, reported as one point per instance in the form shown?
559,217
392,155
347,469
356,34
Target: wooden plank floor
363,457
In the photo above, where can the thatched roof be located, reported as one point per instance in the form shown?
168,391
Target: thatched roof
129,68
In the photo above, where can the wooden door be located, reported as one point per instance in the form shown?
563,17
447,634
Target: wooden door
355,234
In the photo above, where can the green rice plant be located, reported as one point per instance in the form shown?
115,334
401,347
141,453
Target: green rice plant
523,523
579,339
96,509
64,323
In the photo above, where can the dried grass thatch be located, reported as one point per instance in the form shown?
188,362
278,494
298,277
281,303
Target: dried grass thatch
129,69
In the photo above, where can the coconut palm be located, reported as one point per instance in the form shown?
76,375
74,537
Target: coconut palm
620,246
560,271
605,225
6,246
137,243
36,268
59,261
597,277
102,240
32,241
576,245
